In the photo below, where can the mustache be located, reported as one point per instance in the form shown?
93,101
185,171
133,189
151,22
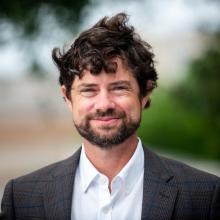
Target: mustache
108,113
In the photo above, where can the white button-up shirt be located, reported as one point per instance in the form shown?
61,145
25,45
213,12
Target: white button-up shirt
92,199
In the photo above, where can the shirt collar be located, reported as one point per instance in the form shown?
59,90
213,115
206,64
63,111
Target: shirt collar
129,173
87,170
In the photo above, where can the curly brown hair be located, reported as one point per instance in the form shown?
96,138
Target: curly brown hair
96,47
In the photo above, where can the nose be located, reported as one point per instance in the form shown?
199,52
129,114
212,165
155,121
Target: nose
104,101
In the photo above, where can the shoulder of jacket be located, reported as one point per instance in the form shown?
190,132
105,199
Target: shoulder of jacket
186,173
48,172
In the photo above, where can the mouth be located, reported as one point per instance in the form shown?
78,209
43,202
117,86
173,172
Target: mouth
106,120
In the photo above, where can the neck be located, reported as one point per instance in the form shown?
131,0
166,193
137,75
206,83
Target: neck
111,160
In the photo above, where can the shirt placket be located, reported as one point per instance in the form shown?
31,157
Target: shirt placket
105,207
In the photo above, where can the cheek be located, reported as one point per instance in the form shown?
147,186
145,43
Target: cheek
131,107
81,108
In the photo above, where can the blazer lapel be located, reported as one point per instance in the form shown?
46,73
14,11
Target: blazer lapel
159,194
59,191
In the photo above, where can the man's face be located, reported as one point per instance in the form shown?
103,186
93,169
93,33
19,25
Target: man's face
107,107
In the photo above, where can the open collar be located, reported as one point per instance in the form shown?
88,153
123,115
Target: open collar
128,175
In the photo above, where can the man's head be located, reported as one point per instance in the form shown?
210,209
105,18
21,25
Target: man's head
96,47
106,78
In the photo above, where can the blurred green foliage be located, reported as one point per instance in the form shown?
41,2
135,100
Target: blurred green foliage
187,118
24,13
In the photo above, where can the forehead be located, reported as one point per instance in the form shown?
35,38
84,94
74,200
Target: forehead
122,73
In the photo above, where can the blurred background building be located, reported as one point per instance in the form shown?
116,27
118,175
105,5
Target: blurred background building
183,121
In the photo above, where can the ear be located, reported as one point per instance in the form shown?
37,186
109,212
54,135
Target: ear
144,101
65,97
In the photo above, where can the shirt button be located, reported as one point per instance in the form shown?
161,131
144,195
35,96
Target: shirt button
106,209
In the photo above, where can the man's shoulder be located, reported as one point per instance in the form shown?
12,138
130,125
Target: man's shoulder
187,172
181,172
190,178
23,193
49,172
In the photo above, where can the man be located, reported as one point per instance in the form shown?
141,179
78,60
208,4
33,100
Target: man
106,79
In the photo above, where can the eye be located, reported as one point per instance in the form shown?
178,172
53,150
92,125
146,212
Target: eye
120,89
88,92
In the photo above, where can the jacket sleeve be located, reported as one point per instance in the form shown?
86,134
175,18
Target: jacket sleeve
7,204
215,205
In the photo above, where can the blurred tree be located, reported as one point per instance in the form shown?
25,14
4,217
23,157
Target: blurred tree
37,72
200,91
187,118
200,94
23,22
23,13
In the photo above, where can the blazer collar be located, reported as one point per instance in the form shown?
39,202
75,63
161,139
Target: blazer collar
59,191
159,193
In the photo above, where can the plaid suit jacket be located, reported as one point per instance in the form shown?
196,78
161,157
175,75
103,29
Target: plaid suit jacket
172,190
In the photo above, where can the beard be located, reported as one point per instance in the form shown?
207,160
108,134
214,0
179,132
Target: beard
114,136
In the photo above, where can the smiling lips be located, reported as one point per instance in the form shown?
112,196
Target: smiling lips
106,120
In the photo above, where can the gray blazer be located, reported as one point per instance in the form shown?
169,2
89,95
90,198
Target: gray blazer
172,190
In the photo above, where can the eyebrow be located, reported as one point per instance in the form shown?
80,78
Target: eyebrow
121,82
86,85
117,83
